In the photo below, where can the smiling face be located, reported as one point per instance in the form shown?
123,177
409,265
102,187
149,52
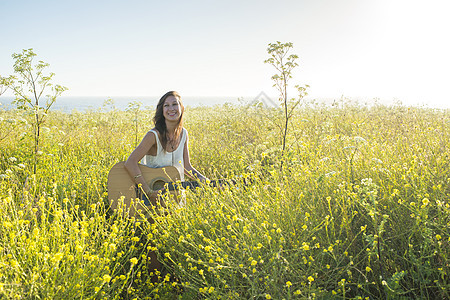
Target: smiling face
172,109
169,116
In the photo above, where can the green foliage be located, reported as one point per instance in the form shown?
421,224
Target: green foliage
5,82
284,65
359,210
134,108
29,84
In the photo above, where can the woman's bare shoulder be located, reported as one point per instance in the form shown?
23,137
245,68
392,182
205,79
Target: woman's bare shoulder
150,136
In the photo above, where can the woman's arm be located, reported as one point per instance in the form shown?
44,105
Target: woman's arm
131,165
189,170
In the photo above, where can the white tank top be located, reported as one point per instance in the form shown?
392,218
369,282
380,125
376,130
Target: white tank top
164,158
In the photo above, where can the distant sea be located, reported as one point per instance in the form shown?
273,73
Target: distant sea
82,104
85,103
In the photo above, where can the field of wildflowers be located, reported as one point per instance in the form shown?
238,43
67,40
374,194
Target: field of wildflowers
358,209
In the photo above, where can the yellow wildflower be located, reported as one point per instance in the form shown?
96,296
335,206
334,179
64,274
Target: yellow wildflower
58,256
134,261
7,224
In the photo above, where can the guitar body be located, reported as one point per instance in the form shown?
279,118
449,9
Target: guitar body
120,184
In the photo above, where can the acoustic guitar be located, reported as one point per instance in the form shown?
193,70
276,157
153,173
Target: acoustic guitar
121,186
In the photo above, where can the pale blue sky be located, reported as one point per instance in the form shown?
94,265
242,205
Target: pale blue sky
355,48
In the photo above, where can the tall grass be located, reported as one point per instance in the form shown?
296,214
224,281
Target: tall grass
360,209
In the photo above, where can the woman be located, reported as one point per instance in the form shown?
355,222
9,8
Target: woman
165,145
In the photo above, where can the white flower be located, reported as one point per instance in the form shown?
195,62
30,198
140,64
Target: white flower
359,139
366,181
12,159
377,160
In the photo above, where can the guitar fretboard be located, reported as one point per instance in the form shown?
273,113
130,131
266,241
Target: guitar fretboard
195,184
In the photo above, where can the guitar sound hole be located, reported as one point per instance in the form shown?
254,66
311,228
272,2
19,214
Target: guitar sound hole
158,184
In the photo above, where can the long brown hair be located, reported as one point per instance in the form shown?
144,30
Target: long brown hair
160,121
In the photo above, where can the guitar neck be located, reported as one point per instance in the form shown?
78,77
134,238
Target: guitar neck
195,184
